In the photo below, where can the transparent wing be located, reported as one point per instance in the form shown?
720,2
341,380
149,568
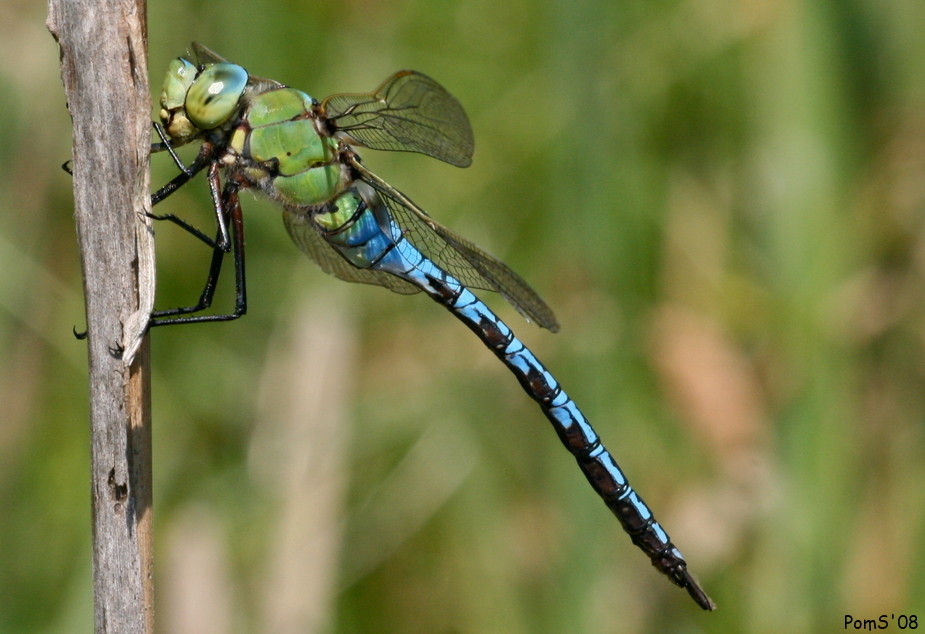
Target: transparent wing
409,112
205,55
307,238
459,257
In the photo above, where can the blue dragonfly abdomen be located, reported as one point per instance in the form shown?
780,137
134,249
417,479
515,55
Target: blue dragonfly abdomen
359,225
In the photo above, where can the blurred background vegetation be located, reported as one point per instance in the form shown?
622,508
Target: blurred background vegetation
723,201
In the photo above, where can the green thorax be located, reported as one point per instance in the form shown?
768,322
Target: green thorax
283,151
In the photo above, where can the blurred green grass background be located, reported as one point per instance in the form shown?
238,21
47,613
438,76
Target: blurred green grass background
723,201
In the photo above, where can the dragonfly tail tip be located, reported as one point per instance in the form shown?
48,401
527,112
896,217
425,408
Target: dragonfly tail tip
697,593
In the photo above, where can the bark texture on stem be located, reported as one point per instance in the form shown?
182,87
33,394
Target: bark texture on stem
104,69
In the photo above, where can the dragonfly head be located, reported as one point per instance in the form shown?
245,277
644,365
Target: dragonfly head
195,100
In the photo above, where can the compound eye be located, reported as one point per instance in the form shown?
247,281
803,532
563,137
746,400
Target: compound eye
215,95
180,76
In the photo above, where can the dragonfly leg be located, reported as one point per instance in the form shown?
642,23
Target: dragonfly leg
165,144
222,241
205,157
227,210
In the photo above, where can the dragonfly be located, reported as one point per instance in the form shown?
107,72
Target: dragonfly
258,134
